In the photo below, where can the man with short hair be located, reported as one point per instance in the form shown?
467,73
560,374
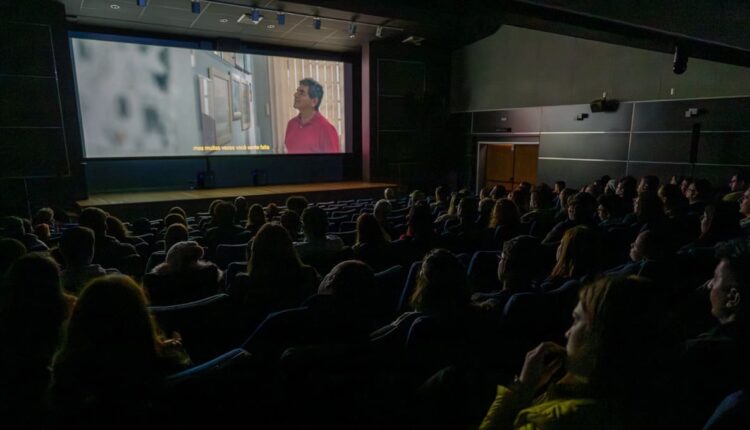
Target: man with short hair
310,132
737,187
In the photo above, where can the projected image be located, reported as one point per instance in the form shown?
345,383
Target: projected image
139,100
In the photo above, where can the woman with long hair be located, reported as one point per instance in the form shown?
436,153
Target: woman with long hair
614,356
112,360
372,246
578,255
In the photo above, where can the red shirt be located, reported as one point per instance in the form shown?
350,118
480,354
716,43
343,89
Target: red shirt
315,137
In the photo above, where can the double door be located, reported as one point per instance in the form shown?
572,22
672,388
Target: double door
507,164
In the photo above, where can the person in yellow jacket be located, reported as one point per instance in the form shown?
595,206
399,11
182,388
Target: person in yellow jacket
609,353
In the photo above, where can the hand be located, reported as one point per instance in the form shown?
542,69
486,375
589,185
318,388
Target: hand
541,363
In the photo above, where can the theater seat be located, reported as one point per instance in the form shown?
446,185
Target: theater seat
176,288
226,254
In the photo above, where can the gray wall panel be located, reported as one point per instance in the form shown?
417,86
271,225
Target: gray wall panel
713,115
507,121
670,147
598,146
564,118
724,148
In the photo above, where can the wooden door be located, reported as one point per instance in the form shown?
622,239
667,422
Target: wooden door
499,165
510,164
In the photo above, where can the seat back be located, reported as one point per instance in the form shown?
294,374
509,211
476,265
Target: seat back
227,253
170,289
482,272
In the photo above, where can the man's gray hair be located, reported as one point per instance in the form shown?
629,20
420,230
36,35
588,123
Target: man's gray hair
314,90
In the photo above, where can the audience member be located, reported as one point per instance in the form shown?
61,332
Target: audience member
317,243
77,249
296,204
737,187
10,251
578,256
255,218
372,245
108,251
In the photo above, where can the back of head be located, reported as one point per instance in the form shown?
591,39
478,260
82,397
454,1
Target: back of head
10,251
468,209
580,253
256,216
441,193
369,230
116,228
351,280
32,307
110,334
44,216
291,222
175,233
649,207
314,222
505,213
584,205
77,246
13,227
241,203
520,260
296,204
272,211
417,196
389,194
382,209
212,207
224,214
174,218
541,197
183,255
420,219
95,219
441,284
272,252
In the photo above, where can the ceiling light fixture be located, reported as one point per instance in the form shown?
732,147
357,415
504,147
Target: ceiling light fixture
316,23
141,3
379,31
352,30
223,20
195,6
114,6
281,18
271,26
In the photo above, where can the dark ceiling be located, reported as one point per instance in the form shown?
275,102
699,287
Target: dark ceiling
710,29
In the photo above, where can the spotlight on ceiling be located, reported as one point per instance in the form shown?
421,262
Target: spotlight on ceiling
413,40
255,16
195,6
379,32
316,23
141,3
352,30
679,63
281,18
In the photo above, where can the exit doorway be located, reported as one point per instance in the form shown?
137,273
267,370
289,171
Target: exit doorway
506,163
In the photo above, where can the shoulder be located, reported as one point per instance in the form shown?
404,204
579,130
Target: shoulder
563,414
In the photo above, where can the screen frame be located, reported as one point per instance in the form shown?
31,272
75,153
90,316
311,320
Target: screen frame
352,83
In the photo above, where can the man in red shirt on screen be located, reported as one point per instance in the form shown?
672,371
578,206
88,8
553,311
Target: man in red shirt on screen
309,132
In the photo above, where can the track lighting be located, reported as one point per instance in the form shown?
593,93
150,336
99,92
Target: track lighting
352,30
316,23
379,31
281,18
195,6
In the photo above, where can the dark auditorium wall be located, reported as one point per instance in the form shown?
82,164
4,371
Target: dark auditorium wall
524,84
412,141
40,152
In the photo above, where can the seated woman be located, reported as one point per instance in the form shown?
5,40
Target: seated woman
372,246
611,361
112,361
578,255
276,279
720,222
33,309
256,217
505,223
175,233
183,277
117,229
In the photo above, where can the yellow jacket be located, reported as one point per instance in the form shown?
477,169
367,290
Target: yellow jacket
561,407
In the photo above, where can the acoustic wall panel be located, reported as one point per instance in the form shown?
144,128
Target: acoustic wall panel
724,148
577,173
565,119
660,147
26,50
396,77
32,152
525,120
609,146
712,114
29,102
719,176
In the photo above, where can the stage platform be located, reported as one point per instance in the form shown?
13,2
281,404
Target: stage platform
154,204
